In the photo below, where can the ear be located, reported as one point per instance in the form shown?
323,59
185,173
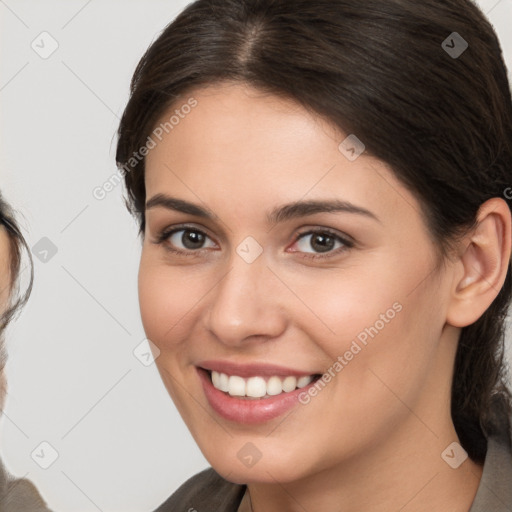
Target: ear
481,269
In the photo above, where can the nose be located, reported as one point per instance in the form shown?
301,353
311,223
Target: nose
245,305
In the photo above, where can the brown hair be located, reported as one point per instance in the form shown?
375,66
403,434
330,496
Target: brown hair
377,69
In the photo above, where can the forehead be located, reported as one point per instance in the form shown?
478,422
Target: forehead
256,148
233,121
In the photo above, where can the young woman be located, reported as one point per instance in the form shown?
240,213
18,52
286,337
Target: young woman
323,191
16,495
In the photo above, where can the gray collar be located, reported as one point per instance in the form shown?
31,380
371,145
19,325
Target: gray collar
495,488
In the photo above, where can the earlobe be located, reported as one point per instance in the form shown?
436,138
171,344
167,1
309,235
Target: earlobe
482,267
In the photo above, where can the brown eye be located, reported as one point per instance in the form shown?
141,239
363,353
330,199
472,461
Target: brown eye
192,239
189,239
321,244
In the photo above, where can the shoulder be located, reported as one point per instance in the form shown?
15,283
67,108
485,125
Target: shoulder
205,491
495,492
19,494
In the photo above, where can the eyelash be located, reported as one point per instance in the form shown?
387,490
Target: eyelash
163,236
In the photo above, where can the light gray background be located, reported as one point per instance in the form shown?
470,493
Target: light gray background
74,381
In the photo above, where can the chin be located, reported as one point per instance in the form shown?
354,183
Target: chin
235,465
260,473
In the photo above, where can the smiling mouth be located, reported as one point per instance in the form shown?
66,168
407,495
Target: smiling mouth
258,387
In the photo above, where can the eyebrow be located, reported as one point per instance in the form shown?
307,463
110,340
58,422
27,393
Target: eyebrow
279,214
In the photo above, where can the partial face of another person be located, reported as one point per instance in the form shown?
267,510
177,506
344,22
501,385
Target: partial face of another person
5,289
5,269
268,253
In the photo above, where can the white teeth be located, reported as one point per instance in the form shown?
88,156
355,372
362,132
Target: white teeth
304,381
216,379
274,386
257,387
236,386
223,382
289,383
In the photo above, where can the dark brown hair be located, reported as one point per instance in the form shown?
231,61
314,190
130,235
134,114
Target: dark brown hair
377,69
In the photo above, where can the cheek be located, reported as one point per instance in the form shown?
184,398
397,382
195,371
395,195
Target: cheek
348,304
376,324
367,299
159,299
168,298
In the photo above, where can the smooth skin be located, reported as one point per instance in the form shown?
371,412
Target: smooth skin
372,438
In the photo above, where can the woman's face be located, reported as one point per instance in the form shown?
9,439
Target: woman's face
270,282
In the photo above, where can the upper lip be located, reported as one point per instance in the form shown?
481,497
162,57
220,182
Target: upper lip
251,369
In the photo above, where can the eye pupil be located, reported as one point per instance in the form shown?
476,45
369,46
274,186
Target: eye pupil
322,243
192,239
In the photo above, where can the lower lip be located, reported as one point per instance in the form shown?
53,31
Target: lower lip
246,411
